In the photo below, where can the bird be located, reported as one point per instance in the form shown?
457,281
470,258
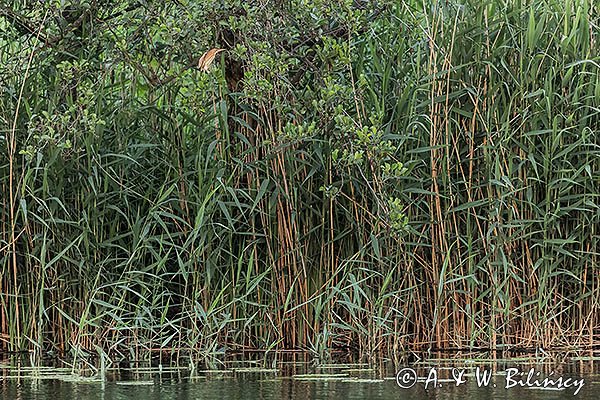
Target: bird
207,59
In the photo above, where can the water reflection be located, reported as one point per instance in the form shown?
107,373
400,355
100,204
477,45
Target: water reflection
337,382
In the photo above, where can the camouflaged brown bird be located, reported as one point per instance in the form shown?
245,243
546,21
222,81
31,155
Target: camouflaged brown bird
207,59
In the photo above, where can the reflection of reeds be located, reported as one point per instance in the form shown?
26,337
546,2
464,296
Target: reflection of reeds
170,226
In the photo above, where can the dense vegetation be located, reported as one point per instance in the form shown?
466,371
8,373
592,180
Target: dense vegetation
365,175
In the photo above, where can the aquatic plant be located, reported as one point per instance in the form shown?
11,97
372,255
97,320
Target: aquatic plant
363,176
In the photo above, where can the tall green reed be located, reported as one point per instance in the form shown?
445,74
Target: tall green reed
412,177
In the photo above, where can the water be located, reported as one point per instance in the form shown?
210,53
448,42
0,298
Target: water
297,381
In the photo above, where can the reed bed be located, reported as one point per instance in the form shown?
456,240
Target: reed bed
375,177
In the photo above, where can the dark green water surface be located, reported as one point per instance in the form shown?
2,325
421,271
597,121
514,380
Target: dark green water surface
295,381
